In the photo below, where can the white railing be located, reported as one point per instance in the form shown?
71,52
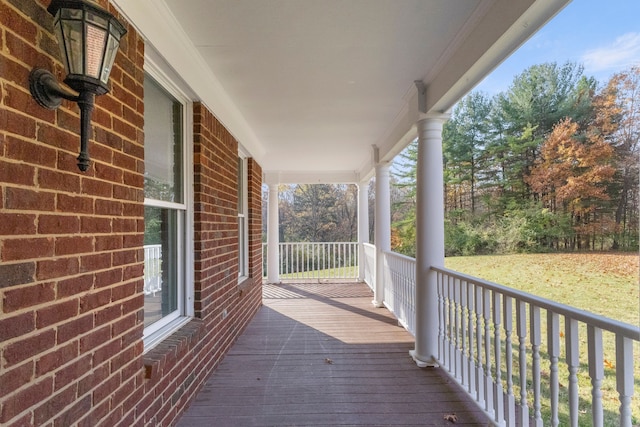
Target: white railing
490,341
369,264
399,288
152,269
317,260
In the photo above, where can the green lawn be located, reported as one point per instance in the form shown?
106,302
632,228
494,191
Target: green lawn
605,284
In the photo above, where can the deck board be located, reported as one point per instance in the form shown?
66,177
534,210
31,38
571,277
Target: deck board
321,354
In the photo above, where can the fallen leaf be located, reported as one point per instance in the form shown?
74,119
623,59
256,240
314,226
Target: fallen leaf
329,361
451,418
608,364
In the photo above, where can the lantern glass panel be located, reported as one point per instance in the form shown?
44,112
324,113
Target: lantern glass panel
95,48
72,34
110,56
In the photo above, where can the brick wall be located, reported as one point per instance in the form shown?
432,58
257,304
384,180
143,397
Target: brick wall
71,258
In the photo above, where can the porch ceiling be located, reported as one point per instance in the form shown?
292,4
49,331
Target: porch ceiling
308,86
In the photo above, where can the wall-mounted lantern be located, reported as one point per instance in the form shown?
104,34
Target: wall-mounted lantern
89,37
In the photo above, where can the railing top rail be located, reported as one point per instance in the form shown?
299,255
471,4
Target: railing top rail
400,256
615,326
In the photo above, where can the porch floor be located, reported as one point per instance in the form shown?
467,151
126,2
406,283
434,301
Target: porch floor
321,354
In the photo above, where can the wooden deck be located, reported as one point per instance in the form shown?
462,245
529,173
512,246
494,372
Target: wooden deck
321,354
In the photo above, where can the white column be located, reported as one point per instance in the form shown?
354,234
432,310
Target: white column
363,224
273,236
429,238
382,229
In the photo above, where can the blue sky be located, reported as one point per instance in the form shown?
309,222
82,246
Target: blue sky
603,35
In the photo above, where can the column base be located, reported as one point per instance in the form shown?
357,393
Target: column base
377,304
423,362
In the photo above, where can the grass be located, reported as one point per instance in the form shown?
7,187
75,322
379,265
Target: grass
605,284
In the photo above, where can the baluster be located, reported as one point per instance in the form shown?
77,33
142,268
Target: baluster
573,358
441,316
596,372
498,400
508,352
449,325
535,363
624,377
471,362
553,344
456,302
464,313
488,380
521,330
480,384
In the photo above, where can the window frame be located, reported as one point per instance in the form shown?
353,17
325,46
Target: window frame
160,330
243,216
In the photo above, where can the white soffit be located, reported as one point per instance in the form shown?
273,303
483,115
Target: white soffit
308,86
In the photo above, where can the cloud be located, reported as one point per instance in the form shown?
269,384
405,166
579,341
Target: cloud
621,54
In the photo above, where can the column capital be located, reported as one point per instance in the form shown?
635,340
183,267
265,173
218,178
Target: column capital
434,116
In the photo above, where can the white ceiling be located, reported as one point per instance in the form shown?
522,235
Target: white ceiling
308,86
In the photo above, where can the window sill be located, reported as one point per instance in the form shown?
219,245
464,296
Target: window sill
172,348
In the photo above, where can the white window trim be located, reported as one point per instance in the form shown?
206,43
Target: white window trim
157,332
243,249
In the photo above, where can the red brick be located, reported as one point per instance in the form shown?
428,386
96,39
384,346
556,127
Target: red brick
21,125
108,243
95,187
107,278
15,378
75,371
95,300
106,388
18,23
28,347
57,358
75,204
57,313
93,225
20,248
17,173
127,257
58,224
125,225
107,315
97,375
15,326
25,399
69,121
123,291
58,138
74,245
94,339
109,207
54,405
57,180
24,297
13,224
81,408
108,173
106,352
74,328
74,286
99,261
24,199
55,268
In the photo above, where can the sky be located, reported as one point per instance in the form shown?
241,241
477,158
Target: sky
602,35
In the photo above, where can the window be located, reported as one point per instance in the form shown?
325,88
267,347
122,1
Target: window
243,219
167,210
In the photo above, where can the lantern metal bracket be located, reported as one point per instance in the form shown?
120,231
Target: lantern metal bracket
48,93
46,90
